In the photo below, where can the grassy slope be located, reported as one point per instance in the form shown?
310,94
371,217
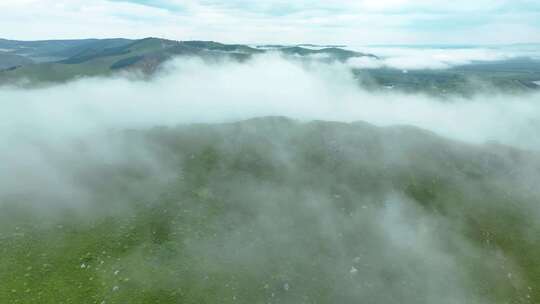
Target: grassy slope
57,49
8,60
272,211
103,58
91,64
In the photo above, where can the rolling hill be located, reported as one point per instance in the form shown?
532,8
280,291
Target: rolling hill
69,59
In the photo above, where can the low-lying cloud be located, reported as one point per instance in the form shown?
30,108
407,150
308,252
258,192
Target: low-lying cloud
433,58
189,91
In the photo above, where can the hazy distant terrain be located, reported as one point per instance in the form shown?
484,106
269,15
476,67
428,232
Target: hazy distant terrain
160,171
513,75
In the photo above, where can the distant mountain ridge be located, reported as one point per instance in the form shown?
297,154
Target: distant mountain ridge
60,60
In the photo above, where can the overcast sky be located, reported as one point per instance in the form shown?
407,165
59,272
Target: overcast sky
355,22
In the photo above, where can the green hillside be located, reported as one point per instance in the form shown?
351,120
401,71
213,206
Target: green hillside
53,50
275,211
96,60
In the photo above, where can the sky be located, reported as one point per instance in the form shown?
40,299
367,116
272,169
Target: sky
359,22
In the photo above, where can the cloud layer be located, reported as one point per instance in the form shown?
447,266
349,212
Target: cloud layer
189,90
409,58
276,21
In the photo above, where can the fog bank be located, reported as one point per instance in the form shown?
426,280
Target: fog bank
189,90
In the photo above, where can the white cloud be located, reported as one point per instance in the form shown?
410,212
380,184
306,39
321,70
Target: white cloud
327,21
